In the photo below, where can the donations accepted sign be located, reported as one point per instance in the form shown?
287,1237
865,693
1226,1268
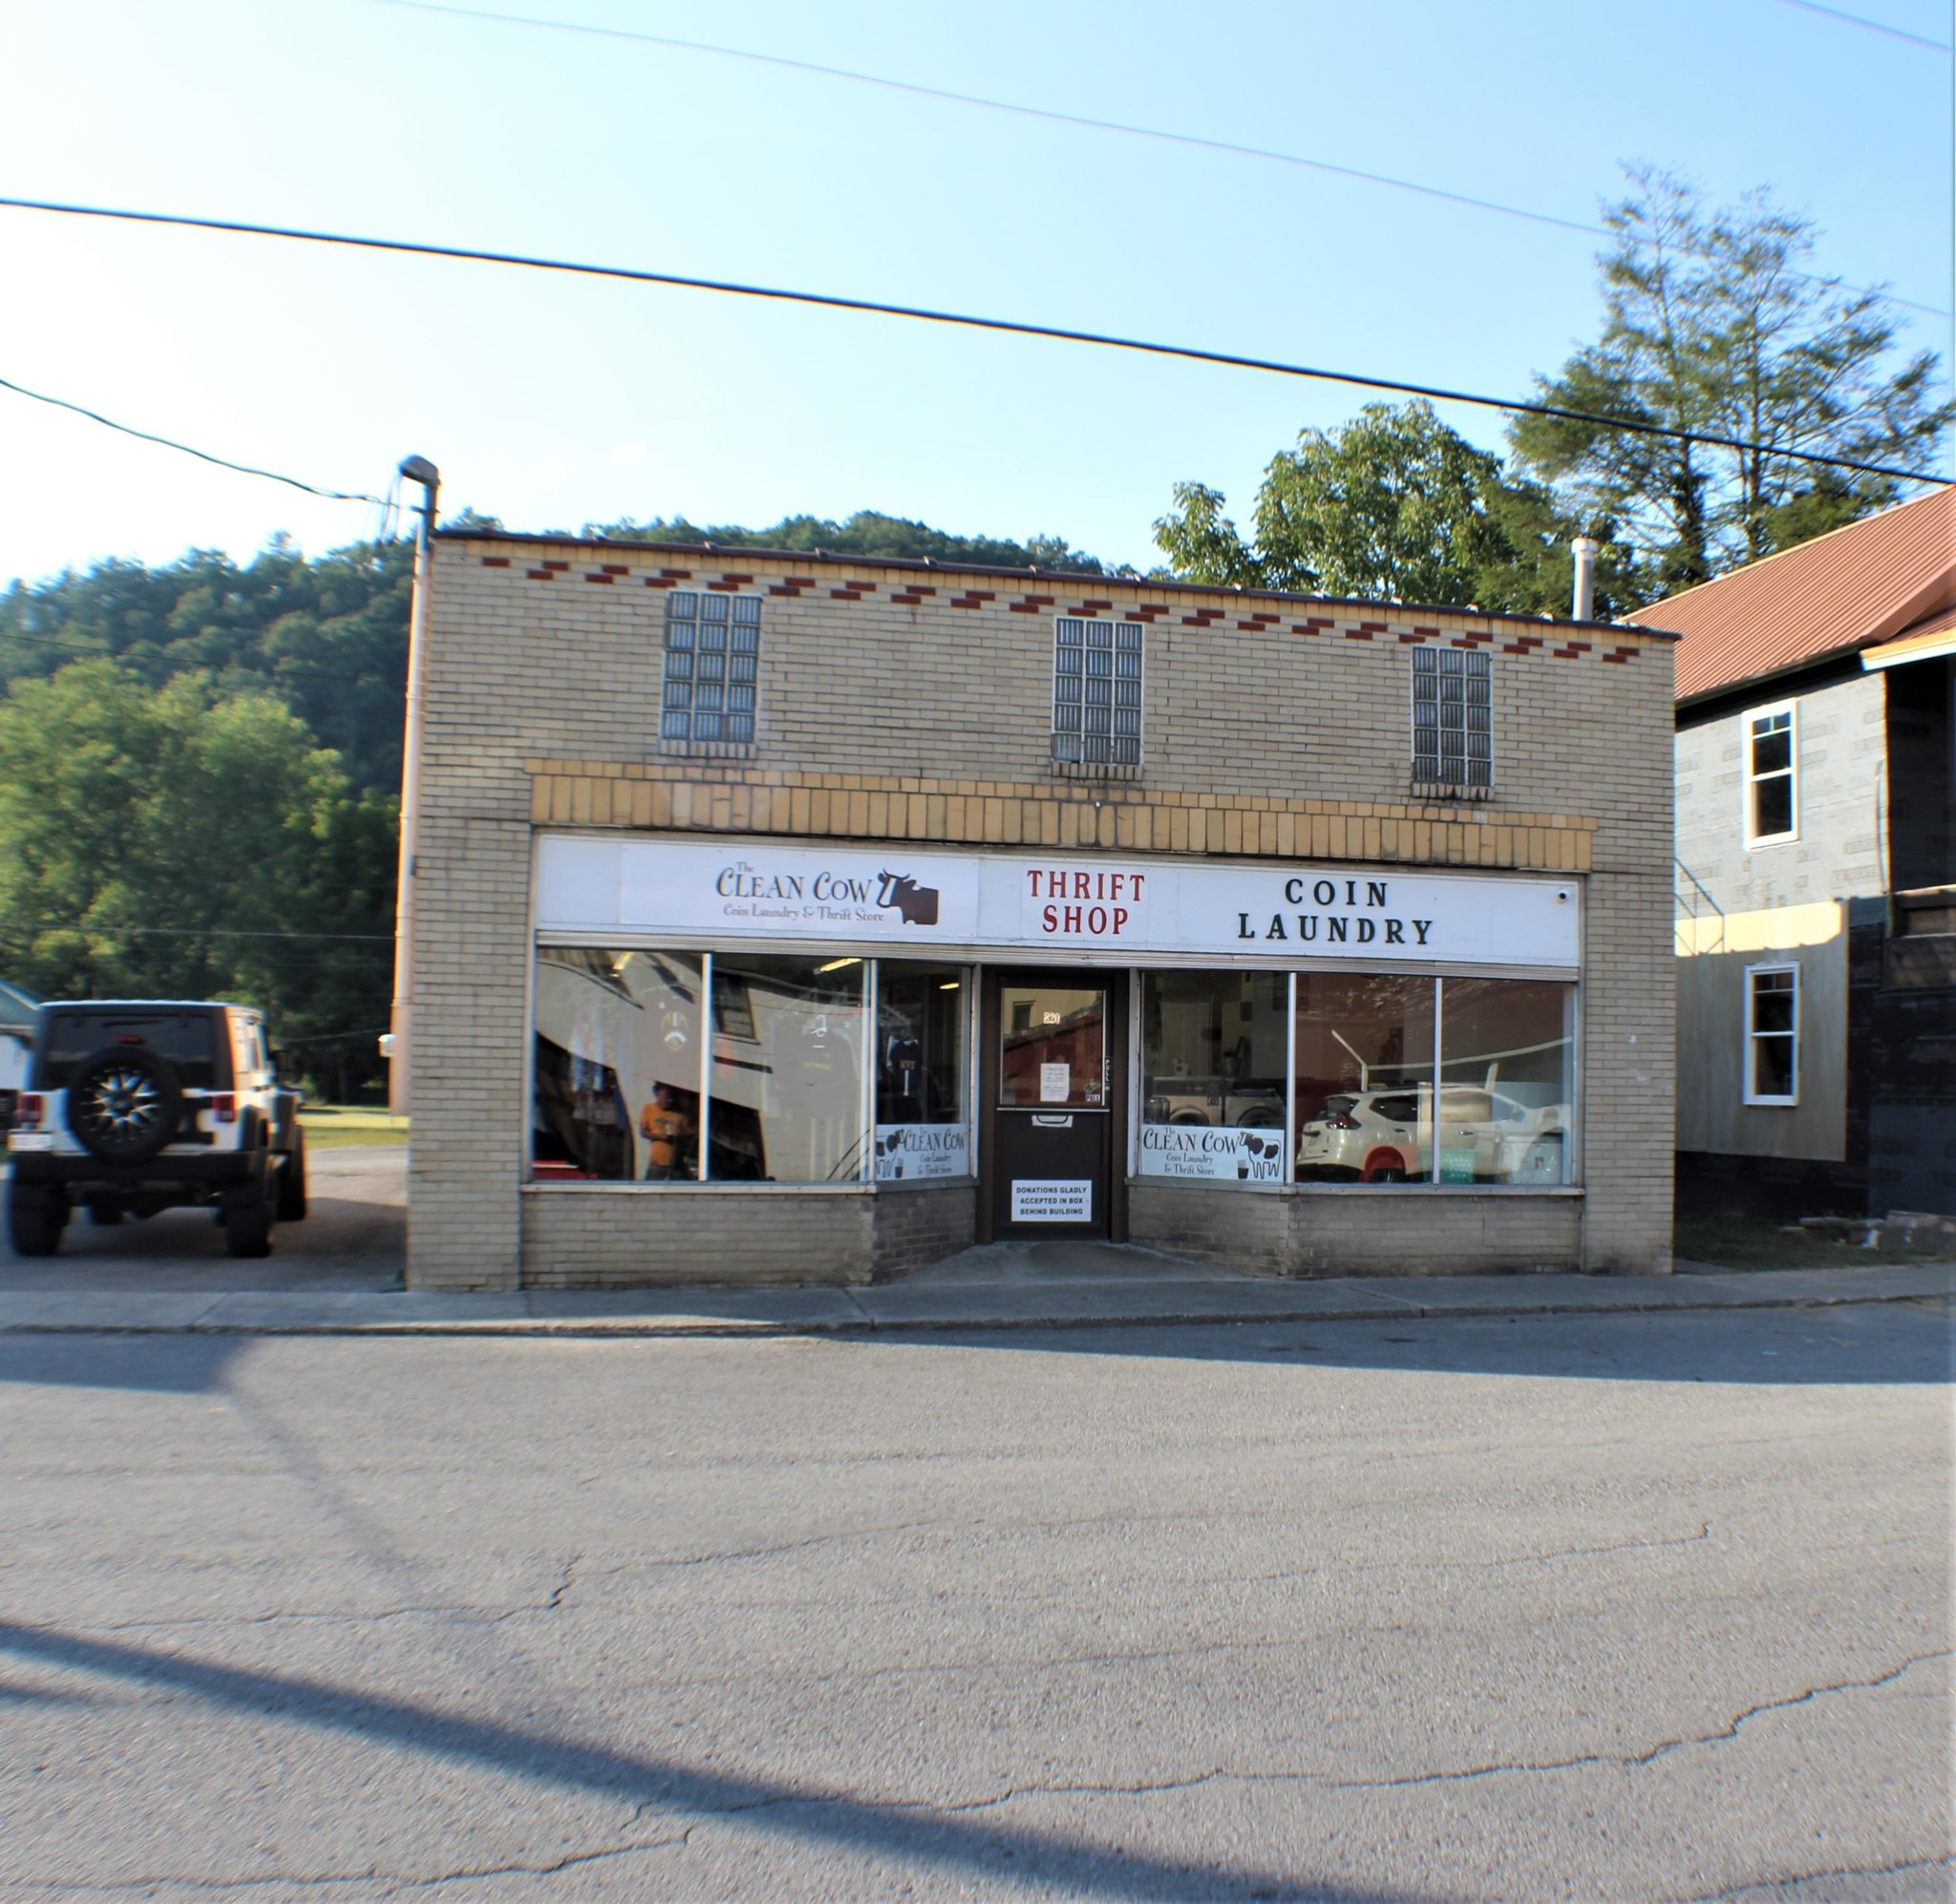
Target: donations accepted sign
703,890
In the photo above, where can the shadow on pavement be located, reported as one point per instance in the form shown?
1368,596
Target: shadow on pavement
171,1364
947,1840
1849,1345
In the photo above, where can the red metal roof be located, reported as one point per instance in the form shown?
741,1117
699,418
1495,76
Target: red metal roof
1861,585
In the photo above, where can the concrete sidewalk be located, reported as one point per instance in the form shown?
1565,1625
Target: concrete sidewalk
1162,1291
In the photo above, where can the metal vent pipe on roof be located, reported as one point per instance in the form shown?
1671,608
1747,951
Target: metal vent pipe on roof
1584,608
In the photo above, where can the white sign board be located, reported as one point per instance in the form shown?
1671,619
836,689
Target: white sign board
1203,1152
707,890
1055,1083
1052,1199
913,1153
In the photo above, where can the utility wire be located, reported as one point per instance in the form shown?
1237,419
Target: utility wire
1131,131
202,455
1852,20
967,321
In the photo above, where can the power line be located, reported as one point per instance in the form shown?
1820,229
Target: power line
1012,326
1230,147
1832,13
202,455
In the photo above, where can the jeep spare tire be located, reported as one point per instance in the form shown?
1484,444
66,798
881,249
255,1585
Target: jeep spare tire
123,1103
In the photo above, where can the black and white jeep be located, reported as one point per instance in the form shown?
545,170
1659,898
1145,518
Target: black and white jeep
133,1106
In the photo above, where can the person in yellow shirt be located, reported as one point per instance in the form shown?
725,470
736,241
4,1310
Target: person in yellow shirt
665,1124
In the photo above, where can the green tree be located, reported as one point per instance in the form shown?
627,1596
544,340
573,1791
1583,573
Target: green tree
1712,326
1393,506
866,533
329,634
181,842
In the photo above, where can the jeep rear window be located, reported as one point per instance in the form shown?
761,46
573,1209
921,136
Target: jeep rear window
186,1039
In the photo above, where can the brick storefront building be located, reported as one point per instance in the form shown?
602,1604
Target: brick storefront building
800,918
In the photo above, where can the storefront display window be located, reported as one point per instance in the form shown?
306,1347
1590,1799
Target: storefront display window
1507,1081
617,1059
734,1067
792,1089
1364,1078
1212,1066
923,1018
785,1103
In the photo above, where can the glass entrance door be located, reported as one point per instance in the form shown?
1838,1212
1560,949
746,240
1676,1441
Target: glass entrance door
1051,1123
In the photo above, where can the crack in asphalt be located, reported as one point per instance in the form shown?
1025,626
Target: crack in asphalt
463,1613
1122,1788
1226,1774
321,1880
1637,1761
1762,1889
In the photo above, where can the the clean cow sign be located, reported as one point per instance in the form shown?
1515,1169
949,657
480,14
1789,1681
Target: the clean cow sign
707,890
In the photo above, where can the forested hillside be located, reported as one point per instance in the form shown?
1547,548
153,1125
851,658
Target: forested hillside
328,636
199,765
866,533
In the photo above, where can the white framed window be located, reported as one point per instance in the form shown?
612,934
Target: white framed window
1771,1054
1453,717
1771,778
1097,692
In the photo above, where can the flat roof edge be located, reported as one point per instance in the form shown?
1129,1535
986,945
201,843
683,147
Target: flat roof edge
1077,579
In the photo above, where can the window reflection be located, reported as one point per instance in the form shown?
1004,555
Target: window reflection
1364,1077
617,1064
1054,1047
786,1103
1507,1081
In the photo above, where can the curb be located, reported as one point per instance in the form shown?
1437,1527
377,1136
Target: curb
654,1329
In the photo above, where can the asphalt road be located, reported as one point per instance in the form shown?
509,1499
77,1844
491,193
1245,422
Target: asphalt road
1638,1607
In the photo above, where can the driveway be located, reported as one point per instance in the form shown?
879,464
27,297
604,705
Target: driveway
353,1237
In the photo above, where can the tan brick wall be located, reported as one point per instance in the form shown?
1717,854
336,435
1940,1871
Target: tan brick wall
608,1239
1360,1232
904,703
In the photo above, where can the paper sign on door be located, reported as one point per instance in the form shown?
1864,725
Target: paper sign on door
1052,1200
1055,1083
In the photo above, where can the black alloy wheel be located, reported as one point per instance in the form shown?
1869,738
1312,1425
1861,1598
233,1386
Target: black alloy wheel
124,1103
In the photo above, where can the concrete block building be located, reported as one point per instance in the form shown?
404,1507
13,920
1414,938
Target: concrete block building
1816,899
791,917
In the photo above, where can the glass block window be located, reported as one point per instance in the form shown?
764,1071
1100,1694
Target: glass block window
1451,717
712,656
1097,692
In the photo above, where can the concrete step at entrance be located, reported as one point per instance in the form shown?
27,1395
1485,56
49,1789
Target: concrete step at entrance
1057,1262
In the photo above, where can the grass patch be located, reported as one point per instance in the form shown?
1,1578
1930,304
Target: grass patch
1753,1243
336,1125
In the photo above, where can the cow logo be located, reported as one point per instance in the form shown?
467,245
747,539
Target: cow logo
1260,1156
918,905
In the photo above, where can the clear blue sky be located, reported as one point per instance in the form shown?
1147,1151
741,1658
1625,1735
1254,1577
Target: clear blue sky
554,402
